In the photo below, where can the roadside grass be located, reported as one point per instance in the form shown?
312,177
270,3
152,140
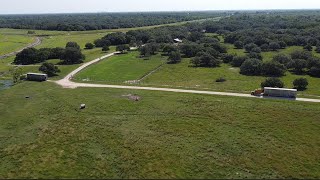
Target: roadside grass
164,135
183,76
120,68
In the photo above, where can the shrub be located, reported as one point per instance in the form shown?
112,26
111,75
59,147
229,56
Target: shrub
221,79
89,46
300,84
105,48
272,82
251,67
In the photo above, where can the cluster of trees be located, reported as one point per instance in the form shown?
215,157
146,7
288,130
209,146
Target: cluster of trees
269,32
69,55
83,22
300,84
299,62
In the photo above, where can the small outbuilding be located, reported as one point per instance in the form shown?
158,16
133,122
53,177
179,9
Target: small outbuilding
177,40
37,77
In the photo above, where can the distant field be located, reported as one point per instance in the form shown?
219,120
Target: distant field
120,68
165,135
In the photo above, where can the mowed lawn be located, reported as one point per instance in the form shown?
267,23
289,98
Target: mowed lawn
164,135
120,68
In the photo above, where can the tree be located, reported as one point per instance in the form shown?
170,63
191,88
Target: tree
272,82
149,49
238,44
168,48
308,47
105,48
298,65
282,59
238,60
72,45
49,69
16,74
273,68
26,56
174,57
72,56
282,44
255,55
123,48
264,47
315,71
256,50
227,58
299,54
250,46
318,49
205,60
274,46
300,84
251,67
89,46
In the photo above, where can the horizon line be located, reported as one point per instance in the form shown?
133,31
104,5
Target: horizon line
162,11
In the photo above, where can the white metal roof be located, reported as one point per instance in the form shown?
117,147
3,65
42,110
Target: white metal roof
177,39
37,74
283,89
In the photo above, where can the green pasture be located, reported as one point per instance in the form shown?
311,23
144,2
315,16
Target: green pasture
164,135
120,68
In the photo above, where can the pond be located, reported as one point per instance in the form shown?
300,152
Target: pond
5,84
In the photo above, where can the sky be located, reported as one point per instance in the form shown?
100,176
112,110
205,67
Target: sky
76,6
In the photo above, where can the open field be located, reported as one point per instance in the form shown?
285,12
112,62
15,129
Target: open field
165,135
10,43
121,68
117,70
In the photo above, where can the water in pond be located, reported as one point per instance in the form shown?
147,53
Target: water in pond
5,84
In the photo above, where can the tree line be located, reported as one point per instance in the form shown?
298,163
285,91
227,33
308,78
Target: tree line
97,21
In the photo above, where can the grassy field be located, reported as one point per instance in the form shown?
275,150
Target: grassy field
10,43
181,75
121,68
165,135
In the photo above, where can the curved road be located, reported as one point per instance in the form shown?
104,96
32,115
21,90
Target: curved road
36,43
67,83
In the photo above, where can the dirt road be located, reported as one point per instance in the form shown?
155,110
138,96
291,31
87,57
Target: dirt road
35,43
67,83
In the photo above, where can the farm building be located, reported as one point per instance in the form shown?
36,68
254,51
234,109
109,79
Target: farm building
37,77
280,92
177,40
